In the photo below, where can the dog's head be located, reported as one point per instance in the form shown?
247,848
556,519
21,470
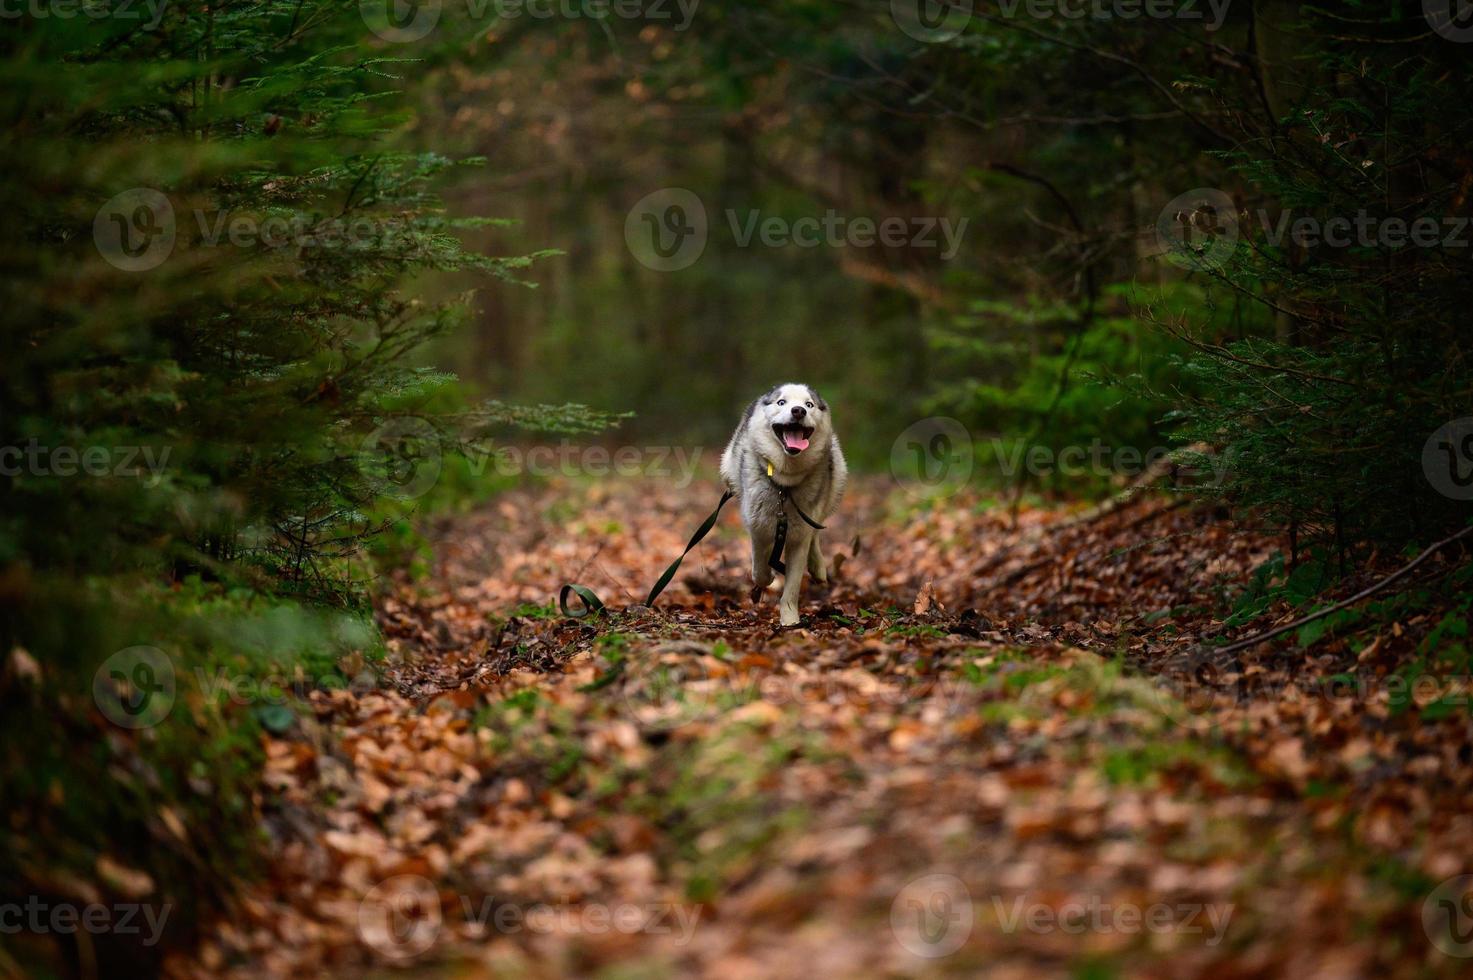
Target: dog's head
790,418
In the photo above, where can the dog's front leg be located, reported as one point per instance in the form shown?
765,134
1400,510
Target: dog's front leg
761,571
795,556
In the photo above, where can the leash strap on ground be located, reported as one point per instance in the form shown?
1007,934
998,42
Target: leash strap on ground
591,602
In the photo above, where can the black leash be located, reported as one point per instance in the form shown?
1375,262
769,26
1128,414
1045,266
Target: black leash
780,535
592,604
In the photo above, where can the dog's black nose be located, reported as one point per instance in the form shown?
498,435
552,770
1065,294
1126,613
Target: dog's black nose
799,411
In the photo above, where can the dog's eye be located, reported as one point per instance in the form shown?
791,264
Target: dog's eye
809,404
782,401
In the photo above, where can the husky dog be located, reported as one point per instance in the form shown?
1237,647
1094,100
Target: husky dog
784,459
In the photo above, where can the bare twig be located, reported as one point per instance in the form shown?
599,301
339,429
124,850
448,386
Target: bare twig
1344,603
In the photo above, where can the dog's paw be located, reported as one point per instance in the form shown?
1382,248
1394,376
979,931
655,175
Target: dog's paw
788,617
755,595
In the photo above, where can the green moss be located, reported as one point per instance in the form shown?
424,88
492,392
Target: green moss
1144,763
718,807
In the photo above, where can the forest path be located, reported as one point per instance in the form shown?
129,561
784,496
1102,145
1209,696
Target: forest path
966,760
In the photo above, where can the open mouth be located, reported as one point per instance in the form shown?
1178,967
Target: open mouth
793,436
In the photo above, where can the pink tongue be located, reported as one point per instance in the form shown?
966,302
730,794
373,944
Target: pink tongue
795,440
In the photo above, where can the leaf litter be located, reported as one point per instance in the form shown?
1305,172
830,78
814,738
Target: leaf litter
1024,708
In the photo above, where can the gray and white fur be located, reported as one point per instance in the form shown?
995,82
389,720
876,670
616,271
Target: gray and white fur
789,429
